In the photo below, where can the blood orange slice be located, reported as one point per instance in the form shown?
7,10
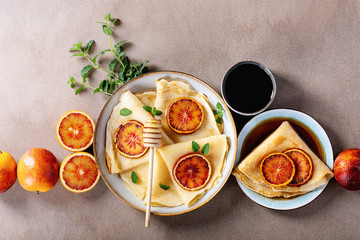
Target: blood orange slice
128,139
277,169
75,131
303,166
79,173
192,171
185,115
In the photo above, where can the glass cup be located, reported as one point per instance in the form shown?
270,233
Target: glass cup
248,88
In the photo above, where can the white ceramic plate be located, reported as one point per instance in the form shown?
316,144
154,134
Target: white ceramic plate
141,84
323,140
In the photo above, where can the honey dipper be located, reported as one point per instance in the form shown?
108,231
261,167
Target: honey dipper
152,139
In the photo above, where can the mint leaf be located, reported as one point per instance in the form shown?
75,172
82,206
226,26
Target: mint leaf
119,44
134,177
125,112
108,17
156,112
77,91
113,64
77,46
88,46
205,149
219,120
163,186
77,55
105,51
85,70
195,146
96,90
219,106
114,21
147,108
106,30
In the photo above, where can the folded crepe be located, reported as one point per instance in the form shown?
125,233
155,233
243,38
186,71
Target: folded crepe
116,162
171,153
166,92
283,138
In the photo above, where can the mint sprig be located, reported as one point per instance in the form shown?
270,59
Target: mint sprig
119,71
153,110
196,147
218,113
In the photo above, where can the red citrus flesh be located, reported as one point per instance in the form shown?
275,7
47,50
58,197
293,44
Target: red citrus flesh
129,139
79,172
192,172
277,169
185,115
303,166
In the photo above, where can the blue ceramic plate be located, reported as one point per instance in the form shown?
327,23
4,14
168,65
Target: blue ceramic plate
321,137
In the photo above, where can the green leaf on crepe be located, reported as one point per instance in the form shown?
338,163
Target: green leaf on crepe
195,146
163,186
147,108
205,149
125,112
156,112
134,177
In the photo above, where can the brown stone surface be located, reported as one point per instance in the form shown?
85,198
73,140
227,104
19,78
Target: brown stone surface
312,47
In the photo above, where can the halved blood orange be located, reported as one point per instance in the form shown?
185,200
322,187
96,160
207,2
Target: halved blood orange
192,171
277,169
184,115
75,131
78,172
128,139
303,166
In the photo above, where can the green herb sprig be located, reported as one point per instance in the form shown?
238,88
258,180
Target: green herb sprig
219,113
153,110
119,71
204,150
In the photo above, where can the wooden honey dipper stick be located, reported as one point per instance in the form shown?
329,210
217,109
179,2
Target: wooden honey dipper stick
152,139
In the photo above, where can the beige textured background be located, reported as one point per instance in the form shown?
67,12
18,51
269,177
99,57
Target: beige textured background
312,47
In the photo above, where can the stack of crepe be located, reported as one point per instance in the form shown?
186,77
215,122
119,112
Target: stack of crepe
283,138
173,145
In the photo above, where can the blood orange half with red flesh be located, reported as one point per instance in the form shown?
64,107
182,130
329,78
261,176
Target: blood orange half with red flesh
128,139
192,171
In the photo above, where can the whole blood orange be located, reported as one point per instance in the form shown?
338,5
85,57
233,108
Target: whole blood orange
184,115
38,170
79,172
128,139
192,171
7,171
303,166
277,169
75,131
